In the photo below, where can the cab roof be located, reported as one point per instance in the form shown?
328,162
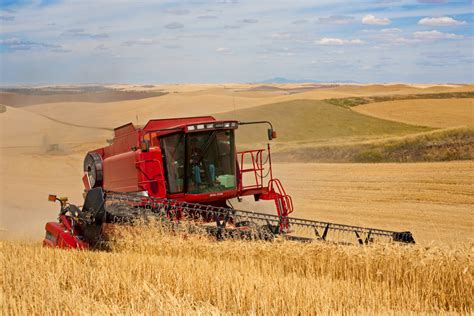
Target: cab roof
159,124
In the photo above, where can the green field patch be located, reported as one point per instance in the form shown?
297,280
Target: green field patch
355,101
313,120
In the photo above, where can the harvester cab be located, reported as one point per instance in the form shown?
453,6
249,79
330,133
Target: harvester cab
186,159
186,169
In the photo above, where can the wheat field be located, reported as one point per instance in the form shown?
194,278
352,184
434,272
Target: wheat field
151,271
426,112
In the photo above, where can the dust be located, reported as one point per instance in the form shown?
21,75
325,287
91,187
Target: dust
51,148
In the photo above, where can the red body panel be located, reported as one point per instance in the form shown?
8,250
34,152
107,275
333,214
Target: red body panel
121,173
154,125
149,166
205,197
57,235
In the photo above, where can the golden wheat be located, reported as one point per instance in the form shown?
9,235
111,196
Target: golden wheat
425,112
154,272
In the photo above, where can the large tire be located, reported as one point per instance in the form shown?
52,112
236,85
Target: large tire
93,166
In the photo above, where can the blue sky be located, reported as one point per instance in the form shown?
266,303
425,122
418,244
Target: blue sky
105,41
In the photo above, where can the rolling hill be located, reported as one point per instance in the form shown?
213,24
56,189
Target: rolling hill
314,121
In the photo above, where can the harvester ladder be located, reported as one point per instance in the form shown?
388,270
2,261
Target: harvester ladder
283,201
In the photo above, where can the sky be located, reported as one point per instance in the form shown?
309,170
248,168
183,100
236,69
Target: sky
223,41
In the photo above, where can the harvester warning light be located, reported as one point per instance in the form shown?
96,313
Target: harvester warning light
212,125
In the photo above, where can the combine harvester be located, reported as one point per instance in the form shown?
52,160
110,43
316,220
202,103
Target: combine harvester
185,171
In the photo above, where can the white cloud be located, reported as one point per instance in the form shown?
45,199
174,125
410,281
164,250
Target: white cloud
441,21
77,32
373,20
174,25
393,37
281,36
101,47
403,40
336,19
223,50
297,22
207,17
435,35
17,44
7,18
61,50
250,21
391,30
177,11
140,41
338,41
356,42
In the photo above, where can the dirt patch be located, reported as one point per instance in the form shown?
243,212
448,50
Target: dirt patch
3,108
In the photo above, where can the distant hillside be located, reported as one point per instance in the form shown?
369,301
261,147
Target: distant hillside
19,97
281,80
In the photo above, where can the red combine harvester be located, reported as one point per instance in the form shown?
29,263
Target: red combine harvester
187,169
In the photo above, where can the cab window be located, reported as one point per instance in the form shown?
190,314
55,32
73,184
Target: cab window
210,164
172,147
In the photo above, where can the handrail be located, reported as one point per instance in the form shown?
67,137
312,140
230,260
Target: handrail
256,167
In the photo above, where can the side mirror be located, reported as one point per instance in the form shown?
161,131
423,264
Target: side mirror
145,146
271,134
52,198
